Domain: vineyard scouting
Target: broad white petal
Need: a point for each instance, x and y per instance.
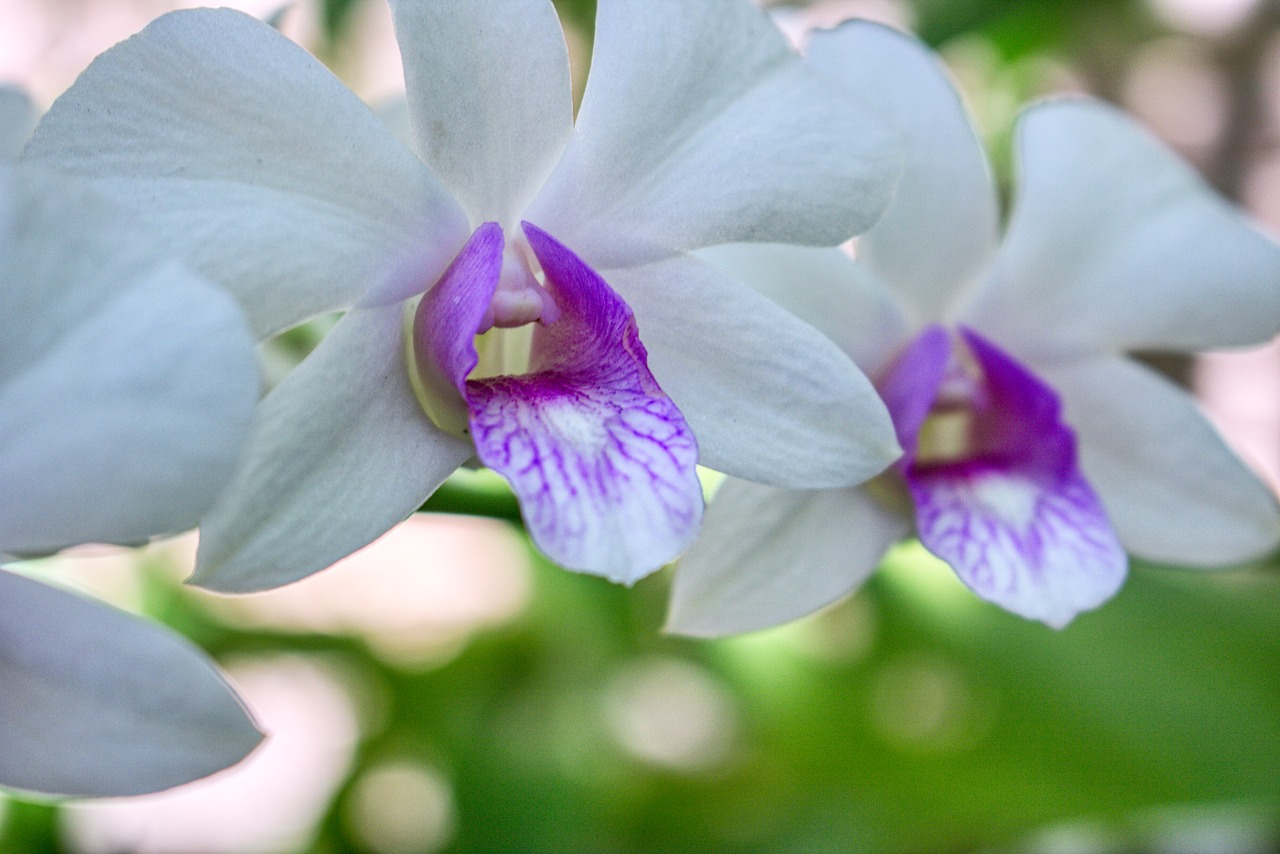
(1115, 243)
(941, 228)
(768, 555)
(700, 126)
(246, 158)
(1172, 488)
(99, 703)
(823, 287)
(769, 397)
(126, 386)
(488, 87)
(17, 119)
(339, 453)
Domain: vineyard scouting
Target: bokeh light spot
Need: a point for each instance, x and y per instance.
(401, 808)
(672, 714)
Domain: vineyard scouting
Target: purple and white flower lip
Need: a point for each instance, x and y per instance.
(280, 184)
(1037, 454)
(991, 470)
(603, 462)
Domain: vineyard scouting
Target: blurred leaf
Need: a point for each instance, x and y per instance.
(580, 14)
(334, 18)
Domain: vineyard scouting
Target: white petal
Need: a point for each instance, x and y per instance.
(823, 287)
(340, 452)
(1175, 493)
(17, 119)
(1115, 243)
(700, 126)
(941, 227)
(488, 87)
(126, 386)
(769, 397)
(768, 555)
(245, 157)
(99, 703)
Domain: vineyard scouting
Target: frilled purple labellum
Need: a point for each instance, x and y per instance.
(601, 459)
(991, 469)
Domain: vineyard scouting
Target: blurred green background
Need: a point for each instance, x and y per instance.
(555, 716)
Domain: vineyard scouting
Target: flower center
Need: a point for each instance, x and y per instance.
(959, 401)
(948, 433)
(520, 300)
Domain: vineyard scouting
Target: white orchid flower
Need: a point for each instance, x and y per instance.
(1036, 452)
(127, 388)
(605, 349)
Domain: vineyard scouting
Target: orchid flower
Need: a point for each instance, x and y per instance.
(603, 348)
(127, 387)
(1037, 453)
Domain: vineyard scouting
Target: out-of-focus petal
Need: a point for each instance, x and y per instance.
(98, 703)
(769, 397)
(488, 87)
(17, 120)
(941, 228)
(603, 463)
(340, 452)
(824, 288)
(769, 555)
(1172, 488)
(126, 386)
(700, 126)
(1115, 243)
(246, 158)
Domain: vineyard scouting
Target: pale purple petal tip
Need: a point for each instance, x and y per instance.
(602, 461)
